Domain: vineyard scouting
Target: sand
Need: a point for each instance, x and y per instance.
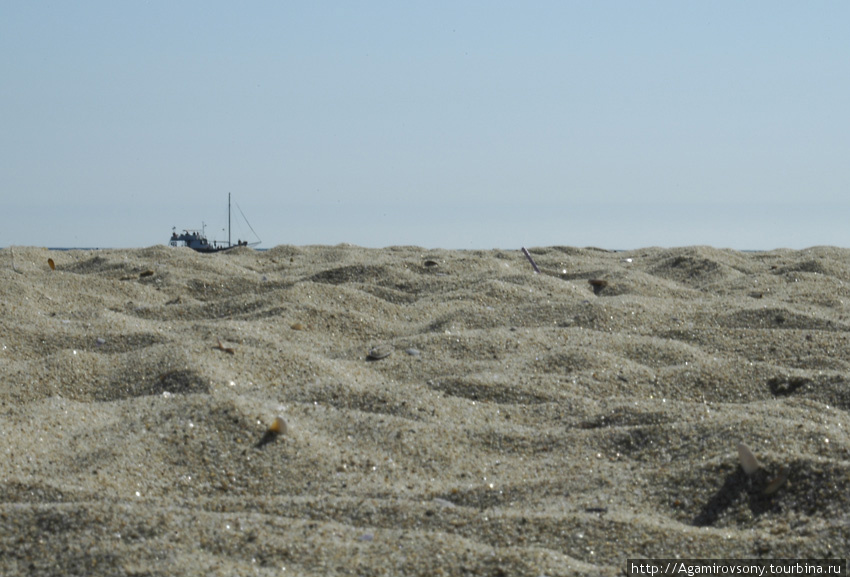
(523, 424)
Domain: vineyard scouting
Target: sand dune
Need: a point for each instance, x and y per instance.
(523, 424)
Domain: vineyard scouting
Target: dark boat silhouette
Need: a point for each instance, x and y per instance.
(197, 240)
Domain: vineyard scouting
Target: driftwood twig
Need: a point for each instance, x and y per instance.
(227, 350)
(531, 260)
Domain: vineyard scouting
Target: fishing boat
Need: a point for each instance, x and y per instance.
(197, 239)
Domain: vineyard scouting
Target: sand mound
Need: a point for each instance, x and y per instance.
(522, 424)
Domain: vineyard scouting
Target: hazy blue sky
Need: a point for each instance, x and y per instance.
(443, 124)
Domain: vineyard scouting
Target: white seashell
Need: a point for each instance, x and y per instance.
(278, 427)
(748, 461)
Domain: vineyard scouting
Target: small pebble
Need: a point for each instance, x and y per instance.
(412, 352)
(598, 284)
(380, 352)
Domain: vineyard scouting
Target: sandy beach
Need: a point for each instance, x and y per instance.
(442, 412)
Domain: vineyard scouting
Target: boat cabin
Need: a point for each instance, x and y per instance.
(197, 241)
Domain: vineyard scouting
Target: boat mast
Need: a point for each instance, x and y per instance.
(228, 219)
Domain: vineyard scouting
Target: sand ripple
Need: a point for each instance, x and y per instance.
(524, 424)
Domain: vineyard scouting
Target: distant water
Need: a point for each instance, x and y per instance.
(614, 226)
(74, 248)
(66, 248)
(467, 226)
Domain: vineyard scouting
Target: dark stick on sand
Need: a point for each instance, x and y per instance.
(531, 260)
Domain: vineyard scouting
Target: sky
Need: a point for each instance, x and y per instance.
(461, 124)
